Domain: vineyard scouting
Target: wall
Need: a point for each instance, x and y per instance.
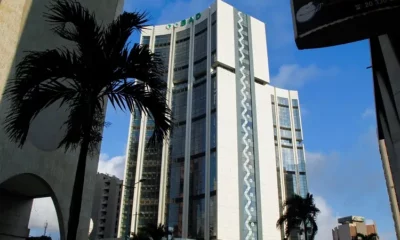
(22, 24)
(15, 212)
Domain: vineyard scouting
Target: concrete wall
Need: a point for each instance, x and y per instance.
(227, 164)
(23, 28)
(15, 212)
(385, 55)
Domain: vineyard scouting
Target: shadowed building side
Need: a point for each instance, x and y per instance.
(23, 28)
(385, 55)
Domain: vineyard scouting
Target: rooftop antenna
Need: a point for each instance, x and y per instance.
(45, 228)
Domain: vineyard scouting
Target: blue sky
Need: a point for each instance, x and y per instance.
(344, 168)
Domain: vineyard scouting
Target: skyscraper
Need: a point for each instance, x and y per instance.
(215, 177)
(289, 147)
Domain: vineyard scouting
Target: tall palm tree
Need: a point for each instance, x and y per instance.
(101, 66)
(299, 212)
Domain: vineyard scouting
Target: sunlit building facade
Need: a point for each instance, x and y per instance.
(289, 147)
(216, 175)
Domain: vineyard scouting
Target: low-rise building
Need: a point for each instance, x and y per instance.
(351, 226)
(106, 207)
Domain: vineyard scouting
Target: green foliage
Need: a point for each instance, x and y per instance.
(151, 231)
(299, 212)
(39, 238)
(360, 236)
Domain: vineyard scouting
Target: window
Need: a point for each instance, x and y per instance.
(286, 133)
(288, 159)
(284, 116)
(145, 40)
(302, 163)
(283, 101)
(296, 116)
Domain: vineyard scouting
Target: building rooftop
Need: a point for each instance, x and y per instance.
(351, 219)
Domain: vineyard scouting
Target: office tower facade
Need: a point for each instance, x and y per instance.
(352, 225)
(289, 147)
(215, 177)
(385, 56)
(106, 206)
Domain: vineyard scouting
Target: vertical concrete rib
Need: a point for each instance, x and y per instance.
(165, 153)
(208, 131)
(186, 182)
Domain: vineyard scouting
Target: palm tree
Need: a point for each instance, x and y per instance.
(299, 212)
(371, 236)
(101, 66)
(151, 231)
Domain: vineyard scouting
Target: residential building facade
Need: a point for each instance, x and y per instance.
(216, 175)
(106, 207)
(351, 226)
(289, 147)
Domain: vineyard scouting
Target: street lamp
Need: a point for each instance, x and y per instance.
(133, 187)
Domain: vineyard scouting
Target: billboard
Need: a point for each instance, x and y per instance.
(323, 23)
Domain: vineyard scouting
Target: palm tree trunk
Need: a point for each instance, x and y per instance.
(77, 191)
(305, 230)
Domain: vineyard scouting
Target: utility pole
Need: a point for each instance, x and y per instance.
(45, 229)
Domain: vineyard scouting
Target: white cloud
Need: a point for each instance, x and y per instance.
(326, 220)
(43, 211)
(317, 162)
(113, 166)
(295, 76)
(369, 112)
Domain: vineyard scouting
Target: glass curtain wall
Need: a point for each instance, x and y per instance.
(151, 172)
(177, 140)
(130, 174)
(198, 134)
(213, 136)
(129, 184)
(291, 147)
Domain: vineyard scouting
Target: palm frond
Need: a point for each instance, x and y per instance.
(41, 80)
(85, 31)
(153, 103)
(118, 32)
(314, 228)
(146, 67)
(84, 115)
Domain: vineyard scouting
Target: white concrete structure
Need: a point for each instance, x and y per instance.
(39, 169)
(216, 177)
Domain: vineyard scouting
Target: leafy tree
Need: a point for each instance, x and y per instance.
(101, 66)
(151, 231)
(372, 236)
(299, 212)
(39, 238)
